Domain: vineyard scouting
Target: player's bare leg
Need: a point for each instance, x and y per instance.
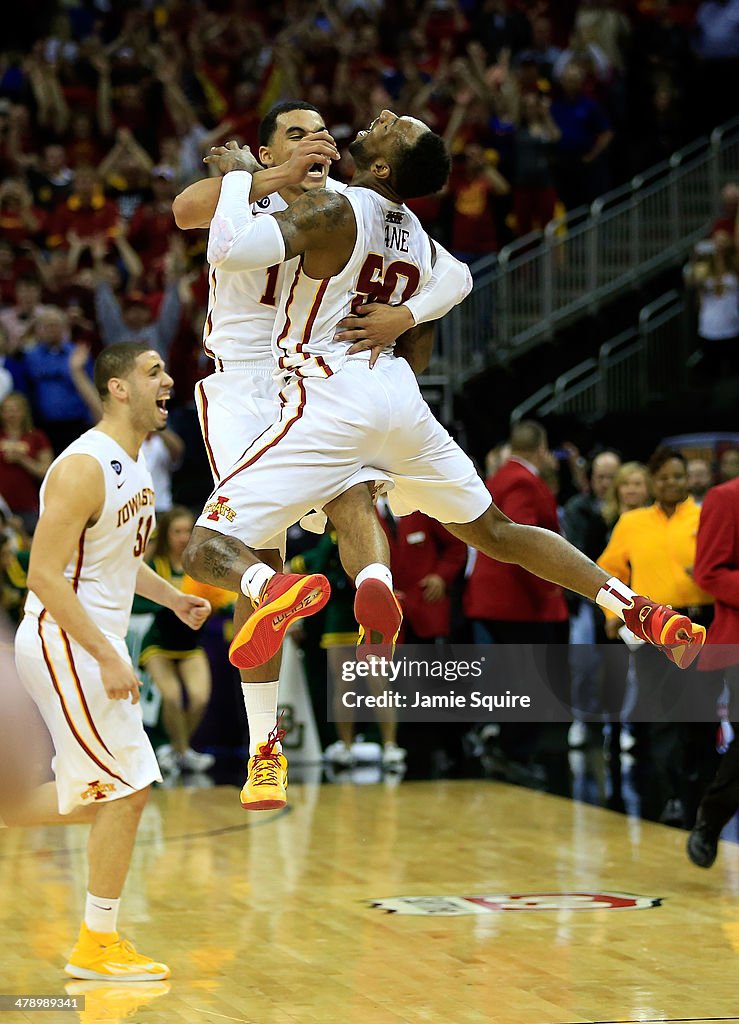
(266, 781)
(552, 558)
(111, 842)
(278, 599)
(100, 953)
(365, 555)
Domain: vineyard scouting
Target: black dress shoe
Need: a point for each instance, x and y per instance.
(702, 845)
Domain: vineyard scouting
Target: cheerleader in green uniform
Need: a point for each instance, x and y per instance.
(171, 655)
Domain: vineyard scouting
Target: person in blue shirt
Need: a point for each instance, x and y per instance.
(581, 167)
(59, 375)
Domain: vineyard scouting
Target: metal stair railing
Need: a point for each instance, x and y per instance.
(547, 278)
(639, 365)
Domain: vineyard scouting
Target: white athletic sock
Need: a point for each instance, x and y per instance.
(260, 701)
(101, 914)
(614, 596)
(375, 571)
(254, 579)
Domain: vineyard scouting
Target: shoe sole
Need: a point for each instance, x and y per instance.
(259, 639)
(376, 609)
(83, 974)
(682, 653)
(698, 859)
(264, 805)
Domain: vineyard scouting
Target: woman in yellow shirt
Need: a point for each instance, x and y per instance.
(652, 550)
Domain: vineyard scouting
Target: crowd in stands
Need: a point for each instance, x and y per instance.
(106, 111)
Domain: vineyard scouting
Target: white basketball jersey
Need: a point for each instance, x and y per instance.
(109, 554)
(391, 261)
(242, 306)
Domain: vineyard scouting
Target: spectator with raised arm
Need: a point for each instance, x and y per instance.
(132, 319)
(715, 277)
(581, 168)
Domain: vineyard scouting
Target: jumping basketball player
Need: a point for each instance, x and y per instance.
(239, 400)
(337, 415)
(97, 514)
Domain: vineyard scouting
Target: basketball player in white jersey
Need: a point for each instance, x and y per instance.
(240, 399)
(338, 415)
(87, 561)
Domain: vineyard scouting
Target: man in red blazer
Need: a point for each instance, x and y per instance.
(426, 560)
(717, 571)
(506, 603)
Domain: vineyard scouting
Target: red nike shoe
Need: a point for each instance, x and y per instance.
(378, 613)
(284, 599)
(679, 638)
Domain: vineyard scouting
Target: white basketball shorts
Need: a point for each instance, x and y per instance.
(101, 750)
(234, 407)
(328, 432)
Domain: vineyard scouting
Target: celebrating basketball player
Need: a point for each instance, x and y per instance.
(337, 416)
(239, 400)
(97, 514)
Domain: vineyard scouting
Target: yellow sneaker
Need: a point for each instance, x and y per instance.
(112, 1001)
(265, 788)
(105, 956)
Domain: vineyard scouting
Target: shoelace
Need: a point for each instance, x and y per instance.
(267, 761)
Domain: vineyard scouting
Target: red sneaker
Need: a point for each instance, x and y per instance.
(284, 599)
(678, 637)
(378, 613)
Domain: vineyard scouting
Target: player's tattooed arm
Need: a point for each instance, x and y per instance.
(319, 220)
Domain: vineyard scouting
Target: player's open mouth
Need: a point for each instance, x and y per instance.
(162, 405)
(316, 171)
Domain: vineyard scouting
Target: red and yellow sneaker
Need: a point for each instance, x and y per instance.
(105, 956)
(265, 788)
(679, 638)
(284, 599)
(379, 615)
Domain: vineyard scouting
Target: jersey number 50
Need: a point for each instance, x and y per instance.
(376, 284)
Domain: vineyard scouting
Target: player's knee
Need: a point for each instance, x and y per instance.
(496, 528)
(192, 554)
(198, 704)
(135, 803)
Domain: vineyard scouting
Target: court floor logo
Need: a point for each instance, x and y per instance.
(459, 906)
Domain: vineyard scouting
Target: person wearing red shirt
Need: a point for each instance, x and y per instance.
(716, 569)
(506, 603)
(86, 212)
(425, 560)
(474, 186)
(25, 455)
(152, 225)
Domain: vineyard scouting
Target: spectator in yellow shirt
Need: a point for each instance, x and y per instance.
(652, 550)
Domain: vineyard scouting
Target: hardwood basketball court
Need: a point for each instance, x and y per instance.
(266, 917)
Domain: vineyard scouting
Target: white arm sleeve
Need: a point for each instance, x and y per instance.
(237, 239)
(450, 282)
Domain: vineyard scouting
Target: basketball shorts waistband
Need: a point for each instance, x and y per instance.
(253, 369)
